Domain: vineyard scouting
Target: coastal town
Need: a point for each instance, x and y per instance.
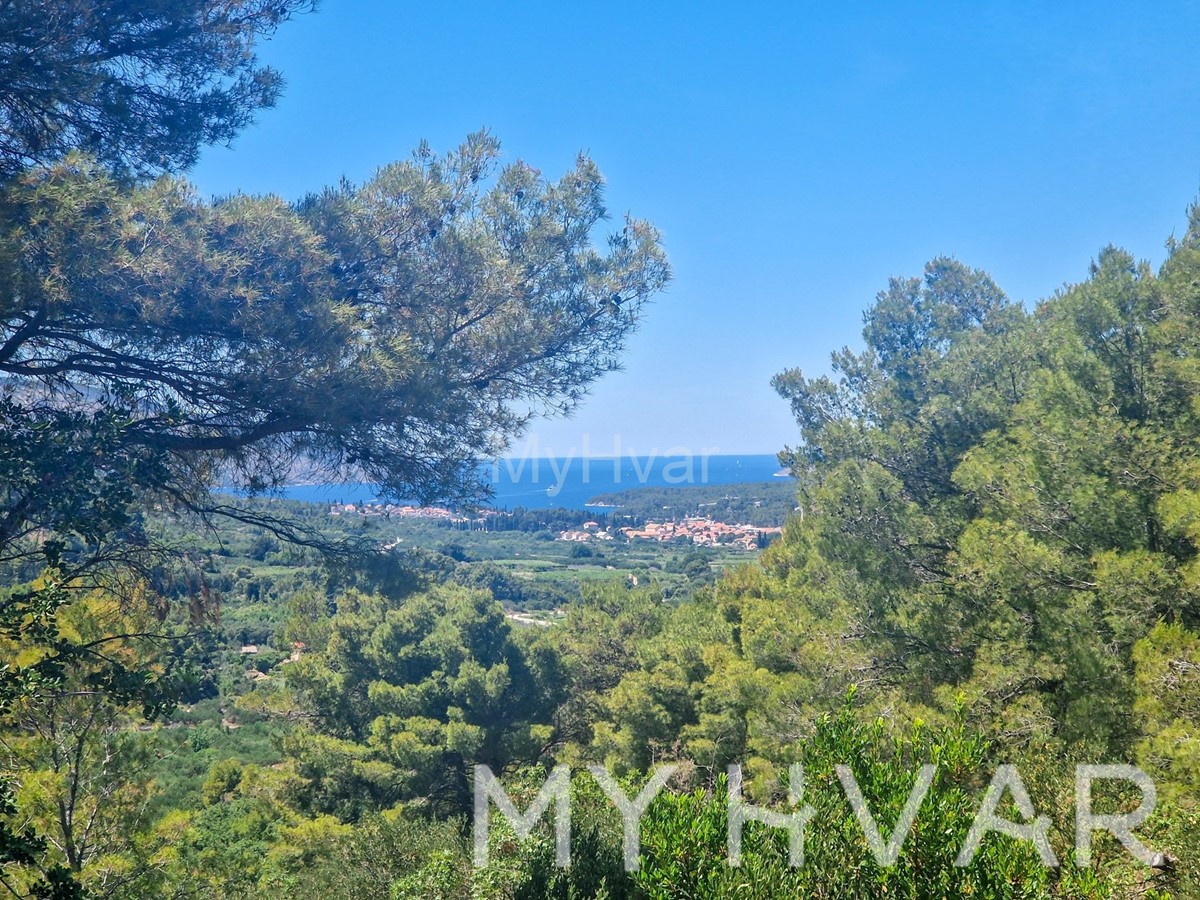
(703, 531)
(699, 530)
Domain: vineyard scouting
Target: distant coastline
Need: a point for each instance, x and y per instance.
(573, 482)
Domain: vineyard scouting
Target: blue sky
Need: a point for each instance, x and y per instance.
(794, 157)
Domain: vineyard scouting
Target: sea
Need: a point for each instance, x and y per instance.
(570, 483)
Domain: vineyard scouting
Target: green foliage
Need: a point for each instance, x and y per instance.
(684, 835)
(222, 849)
(327, 305)
(684, 838)
(1167, 704)
(998, 517)
(393, 857)
(407, 695)
(999, 530)
(1000, 499)
(153, 345)
(82, 791)
(76, 75)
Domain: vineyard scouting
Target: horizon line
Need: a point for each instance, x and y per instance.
(653, 453)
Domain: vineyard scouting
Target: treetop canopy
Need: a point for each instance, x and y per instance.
(394, 331)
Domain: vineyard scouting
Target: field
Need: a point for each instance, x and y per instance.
(519, 558)
(259, 586)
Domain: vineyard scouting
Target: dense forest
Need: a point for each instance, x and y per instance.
(990, 569)
(994, 565)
